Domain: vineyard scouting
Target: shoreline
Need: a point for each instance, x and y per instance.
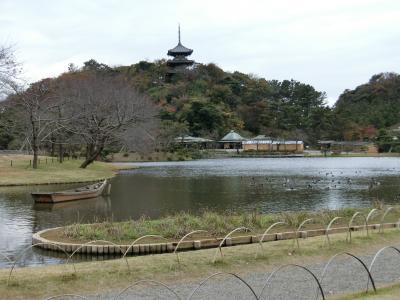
(16, 171)
(105, 170)
(262, 155)
(209, 230)
(102, 247)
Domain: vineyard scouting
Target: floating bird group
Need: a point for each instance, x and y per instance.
(326, 181)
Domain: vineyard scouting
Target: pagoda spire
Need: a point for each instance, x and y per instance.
(179, 33)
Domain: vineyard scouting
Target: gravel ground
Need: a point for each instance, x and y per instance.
(343, 275)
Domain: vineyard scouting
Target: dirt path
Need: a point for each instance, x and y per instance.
(344, 275)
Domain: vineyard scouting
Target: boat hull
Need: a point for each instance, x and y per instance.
(68, 195)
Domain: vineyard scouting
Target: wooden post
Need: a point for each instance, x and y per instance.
(11, 163)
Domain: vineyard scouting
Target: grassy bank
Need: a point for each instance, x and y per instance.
(49, 171)
(155, 156)
(104, 276)
(390, 292)
(355, 154)
(176, 226)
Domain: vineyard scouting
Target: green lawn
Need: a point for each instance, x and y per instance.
(21, 173)
(391, 292)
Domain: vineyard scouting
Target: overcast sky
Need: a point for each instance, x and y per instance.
(332, 45)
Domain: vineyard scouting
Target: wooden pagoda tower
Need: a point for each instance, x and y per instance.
(180, 63)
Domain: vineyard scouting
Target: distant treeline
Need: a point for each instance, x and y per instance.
(208, 102)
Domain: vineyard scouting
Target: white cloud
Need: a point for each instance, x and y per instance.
(332, 45)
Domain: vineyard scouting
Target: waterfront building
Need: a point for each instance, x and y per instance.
(348, 146)
(194, 142)
(262, 143)
(232, 140)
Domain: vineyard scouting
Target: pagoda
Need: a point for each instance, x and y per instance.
(179, 63)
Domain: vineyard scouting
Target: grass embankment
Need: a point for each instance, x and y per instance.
(21, 173)
(176, 226)
(155, 156)
(355, 154)
(103, 276)
(390, 292)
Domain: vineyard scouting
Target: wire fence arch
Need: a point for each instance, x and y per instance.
(387, 211)
(371, 213)
(377, 254)
(182, 239)
(352, 256)
(159, 283)
(328, 228)
(225, 238)
(22, 253)
(218, 274)
(351, 224)
(266, 232)
(137, 240)
(298, 230)
(295, 266)
(319, 281)
(6, 257)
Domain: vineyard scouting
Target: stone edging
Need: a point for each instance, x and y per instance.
(155, 248)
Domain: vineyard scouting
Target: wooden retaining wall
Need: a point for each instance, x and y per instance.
(166, 247)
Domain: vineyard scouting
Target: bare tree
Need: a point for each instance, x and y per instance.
(9, 70)
(37, 107)
(106, 109)
(171, 130)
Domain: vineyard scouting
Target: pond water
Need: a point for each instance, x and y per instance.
(160, 188)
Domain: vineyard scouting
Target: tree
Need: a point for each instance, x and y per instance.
(376, 103)
(9, 70)
(170, 130)
(203, 116)
(36, 109)
(103, 109)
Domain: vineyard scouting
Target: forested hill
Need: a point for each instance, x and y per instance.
(209, 102)
(376, 103)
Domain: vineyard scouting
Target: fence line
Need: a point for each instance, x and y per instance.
(318, 281)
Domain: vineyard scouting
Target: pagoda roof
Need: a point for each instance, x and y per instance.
(179, 49)
(180, 61)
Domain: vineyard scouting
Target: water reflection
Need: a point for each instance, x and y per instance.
(267, 185)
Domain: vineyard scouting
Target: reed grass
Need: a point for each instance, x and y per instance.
(216, 224)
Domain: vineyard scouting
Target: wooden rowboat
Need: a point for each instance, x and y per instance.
(86, 192)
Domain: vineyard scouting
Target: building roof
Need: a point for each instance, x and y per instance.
(179, 49)
(191, 139)
(273, 142)
(345, 143)
(262, 137)
(232, 136)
